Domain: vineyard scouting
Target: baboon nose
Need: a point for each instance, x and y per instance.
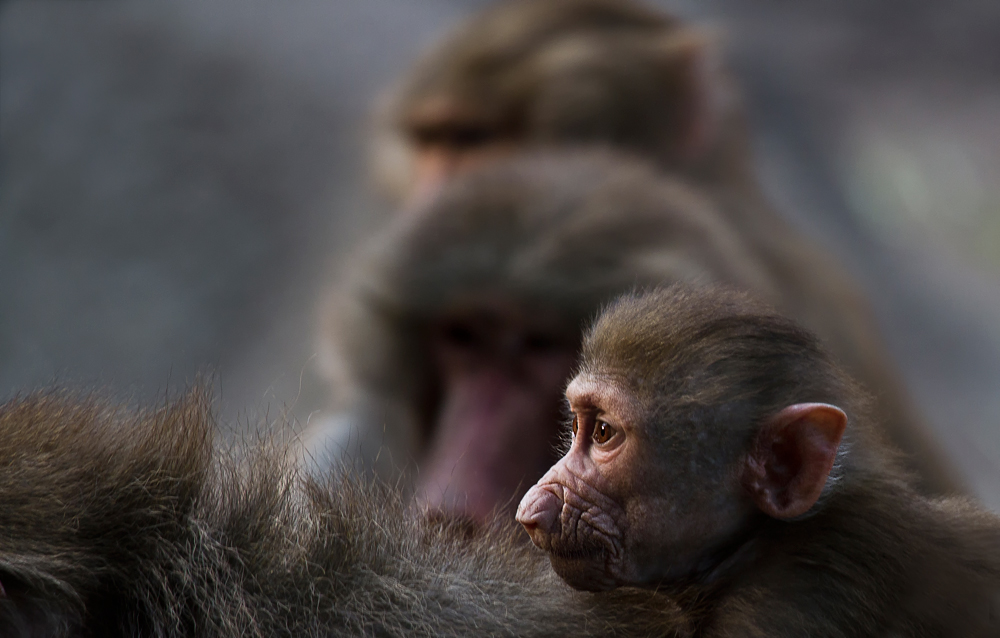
(538, 511)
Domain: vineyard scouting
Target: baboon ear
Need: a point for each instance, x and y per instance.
(701, 91)
(792, 457)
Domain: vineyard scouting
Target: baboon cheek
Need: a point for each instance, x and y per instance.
(586, 574)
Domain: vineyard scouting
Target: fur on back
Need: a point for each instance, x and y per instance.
(130, 523)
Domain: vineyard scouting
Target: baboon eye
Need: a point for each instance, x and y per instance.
(456, 135)
(574, 426)
(468, 136)
(603, 432)
(462, 335)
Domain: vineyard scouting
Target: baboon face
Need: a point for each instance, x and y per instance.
(585, 72)
(501, 374)
(672, 457)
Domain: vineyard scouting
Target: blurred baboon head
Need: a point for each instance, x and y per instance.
(460, 324)
(526, 73)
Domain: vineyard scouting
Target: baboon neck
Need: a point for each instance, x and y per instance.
(723, 565)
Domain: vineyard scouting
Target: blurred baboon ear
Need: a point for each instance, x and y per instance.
(700, 90)
(791, 459)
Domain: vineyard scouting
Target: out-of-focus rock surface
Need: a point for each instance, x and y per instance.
(179, 178)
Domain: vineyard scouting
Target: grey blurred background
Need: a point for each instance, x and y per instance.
(179, 179)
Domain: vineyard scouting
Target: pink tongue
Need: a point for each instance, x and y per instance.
(493, 441)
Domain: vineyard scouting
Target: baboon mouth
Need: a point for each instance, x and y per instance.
(578, 553)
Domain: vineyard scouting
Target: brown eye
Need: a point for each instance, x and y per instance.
(603, 433)
(574, 426)
(468, 136)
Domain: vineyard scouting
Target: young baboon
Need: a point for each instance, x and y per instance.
(117, 523)
(526, 74)
(719, 454)
(458, 326)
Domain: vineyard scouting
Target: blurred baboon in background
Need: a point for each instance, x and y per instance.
(455, 332)
(525, 74)
(576, 72)
(116, 523)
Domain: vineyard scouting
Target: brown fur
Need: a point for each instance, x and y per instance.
(709, 369)
(564, 71)
(123, 523)
(557, 235)
(617, 73)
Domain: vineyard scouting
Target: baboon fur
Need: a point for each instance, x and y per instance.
(558, 234)
(522, 74)
(117, 522)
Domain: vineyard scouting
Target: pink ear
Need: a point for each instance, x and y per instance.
(788, 466)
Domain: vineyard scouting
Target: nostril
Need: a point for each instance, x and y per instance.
(539, 510)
